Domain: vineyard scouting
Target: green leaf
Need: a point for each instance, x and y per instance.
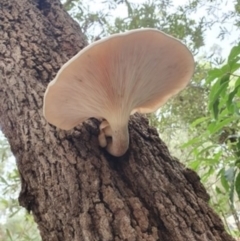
(213, 74)
(237, 185)
(14, 213)
(130, 10)
(205, 151)
(237, 83)
(9, 234)
(210, 161)
(219, 87)
(207, 174)
(215, 127)
(218, 190)
(224, 181)
(199, 121)
(237, 163)
(215, 109)
(191, 142)
(231, 193)
(194, 164)
(3, 180)
(229, 174)
(235, 51)
(225, 78)
(234, 65)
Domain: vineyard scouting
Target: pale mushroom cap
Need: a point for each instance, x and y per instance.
(134, 71)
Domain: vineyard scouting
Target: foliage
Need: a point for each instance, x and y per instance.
(216, 152)
(159, 14)
(15, 223)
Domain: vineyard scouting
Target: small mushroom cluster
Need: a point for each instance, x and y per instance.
(114, 77)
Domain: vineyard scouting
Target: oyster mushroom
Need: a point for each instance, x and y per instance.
(114, 77)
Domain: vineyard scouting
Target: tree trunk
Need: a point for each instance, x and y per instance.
(74, 189)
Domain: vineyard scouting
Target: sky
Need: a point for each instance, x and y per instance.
(211, 35)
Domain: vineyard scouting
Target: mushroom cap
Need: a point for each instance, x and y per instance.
(116, 76)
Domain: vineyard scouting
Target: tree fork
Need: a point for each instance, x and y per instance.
(74, 189)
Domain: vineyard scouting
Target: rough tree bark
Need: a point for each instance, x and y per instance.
(74, 189)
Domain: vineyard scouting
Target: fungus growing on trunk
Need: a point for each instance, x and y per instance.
(137, 71)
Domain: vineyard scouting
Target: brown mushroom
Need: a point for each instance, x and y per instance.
(137, 71)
